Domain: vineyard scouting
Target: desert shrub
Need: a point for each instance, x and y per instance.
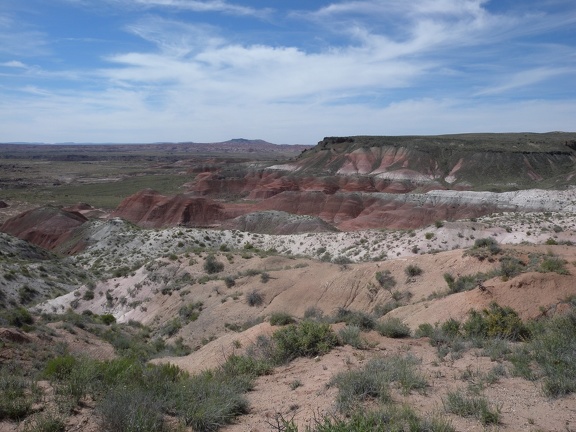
(413, 270)
(385, 279)
(389, 418)
(208, 401)
(374, 379)
(451, 328)
(471, 406)
(229, 281)
(553, 348)
(171, 327)
(237, 365)
(342, 261)
(211, 265)
(17, 317)
(357, 318)
(264, 277)
(60, 368)
(553, 264)
(306, 339)
(190, 312)
(429, 235)
(463, 283)
(281, 319)
(131, 410)
(424, 330)
(351, 335)
(17, 395)
(484, 248)
(254, 298)
(393, 328)
(550, 241)
(46, 421)
(88, 295)
(382, 309)
(313, 313)
(495, 322)
(107, 319)
(439, 224)
(510, 267)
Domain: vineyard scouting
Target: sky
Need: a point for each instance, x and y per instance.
(286, 71)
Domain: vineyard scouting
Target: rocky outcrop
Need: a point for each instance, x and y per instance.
(352, 211)
(44, 226)
(150, 209)
(278, 222)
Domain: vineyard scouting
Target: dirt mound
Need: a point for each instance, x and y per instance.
(150, 209)
(278, 223)
(44, 226)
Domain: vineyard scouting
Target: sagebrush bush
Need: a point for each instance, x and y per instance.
(351, 335)
(495, 322)
(254, 298)
(553, 264)
(17, 395)
(281, 319)
(553, 348)
(471, 406)
(393, 328)
(211, 265)
(413, 270)
(385, 279)
(374, 379)
(306, 339)
(357, 318)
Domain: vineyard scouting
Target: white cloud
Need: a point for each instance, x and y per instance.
(202, 6)
(14, 64)
(526, 78)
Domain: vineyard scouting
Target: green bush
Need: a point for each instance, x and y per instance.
(495, 322)
(553, 264)
(281, 319)
(107, 319)
(385, 279)
(463, 283)
(254, 298)
(374, 379)
(510, 267)
(553, 348)
(357, 318)
(229, 281)
(211, 265)
(131, 410)
(413, 270)
(18, 317)
(208, 401)
(393, 328)
(17, 395)
(471, 406)
(350, 335)
(306, 339)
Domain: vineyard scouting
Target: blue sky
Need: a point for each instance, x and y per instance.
(284, 71)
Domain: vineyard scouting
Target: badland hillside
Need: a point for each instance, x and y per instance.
(364, 283)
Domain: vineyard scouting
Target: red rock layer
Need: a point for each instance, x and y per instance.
(150, 209)
(46, 227)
